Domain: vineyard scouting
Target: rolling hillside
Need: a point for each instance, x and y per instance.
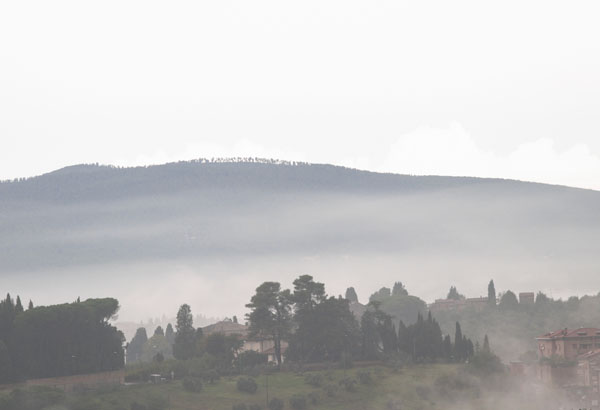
(259, 220)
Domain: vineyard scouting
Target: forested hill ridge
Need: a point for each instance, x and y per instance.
(417, 227)
(100, 182)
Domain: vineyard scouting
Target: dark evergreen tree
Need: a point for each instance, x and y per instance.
(30, 305)
(6, 369)
(270, 314)
(447, 348)
(351, 295)
(170, 334)
(541, 298)
(61, 340)
(404, 339)
(19, 306)
(159, 331)
(134, 348)
(486, 344)
(382, 293)
(459, 348)
(184, 346)
(331, 333)
(370, 338)
(399, 289)
(508, 301)
(307, 294)
(453, 294)
(491, 293)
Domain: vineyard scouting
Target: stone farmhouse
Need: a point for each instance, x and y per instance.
(263, 346)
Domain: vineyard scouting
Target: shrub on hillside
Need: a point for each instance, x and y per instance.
(330, 389)
(35, 398)
(5, 403)
(349, 384)
(314, 379)
(192, 384)
(364, 377)
(313, 397)
(247, 385)
(211, 376)
(454, 386)
(298, 401)
(276, 404)
(485, 363)
(250, 358)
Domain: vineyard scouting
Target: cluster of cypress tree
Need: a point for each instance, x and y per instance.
(59, 340)
(422, 340)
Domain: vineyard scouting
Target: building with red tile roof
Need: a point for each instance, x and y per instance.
(568, 343)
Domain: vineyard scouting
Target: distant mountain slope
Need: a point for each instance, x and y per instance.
(89, 214)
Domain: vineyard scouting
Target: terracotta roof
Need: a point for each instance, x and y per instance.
(580, 332)
(226, 327)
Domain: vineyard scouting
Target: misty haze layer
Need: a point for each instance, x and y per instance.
(209, 233)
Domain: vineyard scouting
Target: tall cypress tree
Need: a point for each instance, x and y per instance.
(486, 344)
(18, 305)
(459, 348)
(447, 347)
(491, 293)
(170, 334)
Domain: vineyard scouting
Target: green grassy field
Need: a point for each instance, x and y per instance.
(408, 387)
(418, 387)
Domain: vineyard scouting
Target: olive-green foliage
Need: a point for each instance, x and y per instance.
(34, 398)
(452, 387)
(250, 359)
(276, 404)
(485, 363)
(157, 344)
(78, 338)
(134, 349)
(314, 379)
(349, 384)
(192, 384)
(313, 397)
(400, 305)
(184, 346)
(247, 385)
(364, 377)
(331, 389)
(298, 401)
(512, 331)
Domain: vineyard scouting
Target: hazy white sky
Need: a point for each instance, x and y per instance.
(508, 89)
